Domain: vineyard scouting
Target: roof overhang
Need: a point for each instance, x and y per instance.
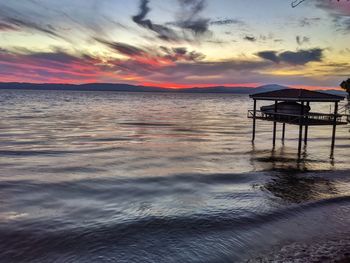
(300, 95)
(297, 99)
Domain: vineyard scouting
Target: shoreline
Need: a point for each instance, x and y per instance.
(333, 249)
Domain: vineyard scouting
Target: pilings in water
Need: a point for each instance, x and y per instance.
(334, 127)
(300, 128)
(306, 125)
(275, 125)
(303, 124)
(254, 121)
(283, 132)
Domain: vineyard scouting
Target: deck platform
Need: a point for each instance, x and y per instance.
(310, 119)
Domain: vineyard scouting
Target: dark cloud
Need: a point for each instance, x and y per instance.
(192, 8)
(216, 41)
(222, 22)
(122, 48)
(341, 23)
(302, 40)
(300, 57)
(267, 37)
(230, 71)
(189, 17)
(182, 54)
(55, 56)
(162, 31)
(7, 27)
(250, 38)
(153, 55)
(198, 26)
(309, 21)
(48, 29)
(269, 55)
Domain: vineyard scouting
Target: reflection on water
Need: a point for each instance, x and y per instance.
(142, 177)
(284, 158)
(292, 186)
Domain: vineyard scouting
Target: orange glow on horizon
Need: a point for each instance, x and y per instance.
(198, 85)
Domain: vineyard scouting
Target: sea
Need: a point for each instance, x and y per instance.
(165, 177)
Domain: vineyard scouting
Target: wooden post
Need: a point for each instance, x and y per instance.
(300, 128)
(306, 126)
(254, 120)
(283, 131)
(274, 125)
(334, 125)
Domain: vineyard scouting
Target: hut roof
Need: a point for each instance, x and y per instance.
(297, 95)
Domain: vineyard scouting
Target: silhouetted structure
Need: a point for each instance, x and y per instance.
(292, 106)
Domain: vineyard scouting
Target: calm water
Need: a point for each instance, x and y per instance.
(144, 177)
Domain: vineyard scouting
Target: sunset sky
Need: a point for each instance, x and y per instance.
(175, 43)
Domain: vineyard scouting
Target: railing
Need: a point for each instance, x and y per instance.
(309, 117)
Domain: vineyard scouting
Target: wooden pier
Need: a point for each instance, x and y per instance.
(301, 100)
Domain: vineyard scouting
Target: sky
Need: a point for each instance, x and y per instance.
(176, 43)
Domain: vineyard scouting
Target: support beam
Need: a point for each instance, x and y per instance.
(306, 126)
(283, 132)
(334, 125)
(274, 125)
(300, 129)
(254, 121)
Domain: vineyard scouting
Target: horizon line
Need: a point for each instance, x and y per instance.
(168, 86)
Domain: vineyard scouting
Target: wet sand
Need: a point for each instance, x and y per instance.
(333, 250)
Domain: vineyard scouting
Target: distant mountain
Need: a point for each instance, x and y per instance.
(82, 87)
(218, 89)
(122, 87)
(134, 88)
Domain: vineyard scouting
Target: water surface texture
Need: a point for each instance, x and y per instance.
(157, 177)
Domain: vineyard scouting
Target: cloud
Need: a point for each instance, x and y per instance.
(250, 38)
(341, 8)
(144, 60)
(181, 67)
(226, 21)
(339, 11)
(198, 26)
(189, 17)
(302, 40)
(162, 31)
(269, 55)
(172, 65)
(309, 21)
(49, 30)
(7, 27)
(300, 57)
(56, 66)
(122, 48)
(342, 23)
(11, 19)
(182, 54)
